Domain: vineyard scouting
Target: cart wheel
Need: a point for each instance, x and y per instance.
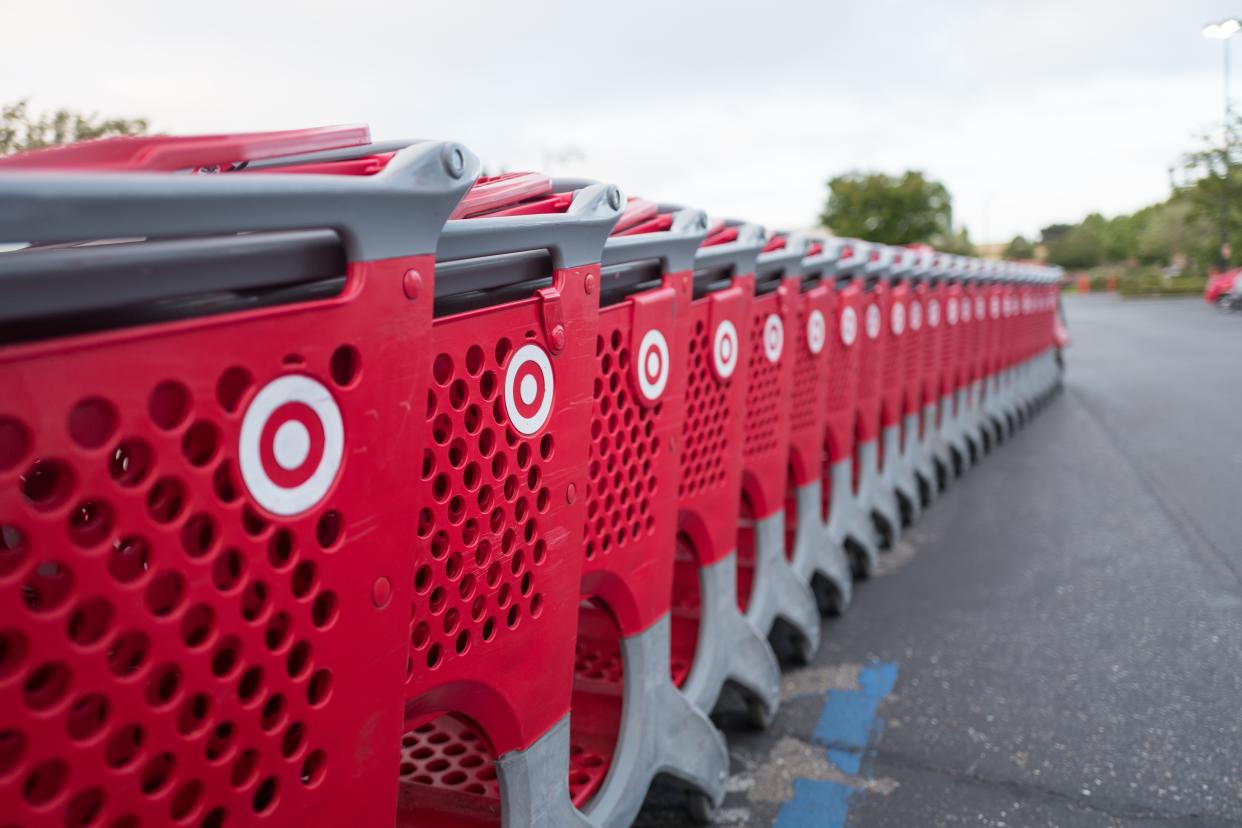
(702, 809)
(802, 652)
(760, 714)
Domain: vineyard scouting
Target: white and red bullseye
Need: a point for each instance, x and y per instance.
(950, 312)
(529, 388)
(291, 444)
(965, 310)
(996, 307)
(724, 349)
(652, 364)
(933, 313)
(980, 308)
(849, 326)
(816, 331)
(873, 322)
(916, 315)
(773, 338)
(897, 319)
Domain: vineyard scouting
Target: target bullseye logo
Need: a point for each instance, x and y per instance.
(916, 315)
(897, 319)
(849, 326)
(980, 308)
(529, 388)
(995, 307)
(773, 337)
(873, 321)
(724, 349)
(950, 312)
(652, 364)
(933, 313)
(291, 444)
(965, 310)
(816, 331)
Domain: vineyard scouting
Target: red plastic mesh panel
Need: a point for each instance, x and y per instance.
(912, 353)
(684, 631)
(597, 702)
(761, 433)
(450, 754)
(162, 644)
(447, 777)
(481, 523)
(624, 451)
(843, 361)
(871, 351)
(932, 337)
(705, 447)
(807, 395)
(745, 553)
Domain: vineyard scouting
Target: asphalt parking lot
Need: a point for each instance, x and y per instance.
(1058, 640)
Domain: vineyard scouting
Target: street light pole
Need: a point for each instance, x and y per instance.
(1223, 31)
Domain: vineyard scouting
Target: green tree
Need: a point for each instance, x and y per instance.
(1212, 174)
(1081, 247)
(888, 209)
(958, 243)
(21, 130)
(1053, 232)
(1019, 248)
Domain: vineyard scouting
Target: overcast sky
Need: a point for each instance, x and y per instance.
(1030, 112)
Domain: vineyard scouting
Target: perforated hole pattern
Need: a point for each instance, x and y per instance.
(479, 541)
(624, 450)
(158, 649)
(447, 753)
(763, 391)
(870, 351)
(804, 412)
(707, 415)
(843, 364)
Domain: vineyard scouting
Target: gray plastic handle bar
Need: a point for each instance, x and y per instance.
(340, 154)
(396, 212)
(784, 262)
(739, 255)
(857, 261)
(575, 237)
(674, 248)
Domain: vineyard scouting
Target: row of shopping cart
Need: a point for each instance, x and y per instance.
(342, 486)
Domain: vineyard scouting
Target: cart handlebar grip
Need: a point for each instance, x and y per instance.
(397, 212)
(163, 153)
(333, 154)
(856, 262)
(740, 255)
(674, 247)
(575, 237)
(787, 261)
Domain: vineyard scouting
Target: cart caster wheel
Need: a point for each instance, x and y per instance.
(759, 714)
(802, 652)
(702, 809)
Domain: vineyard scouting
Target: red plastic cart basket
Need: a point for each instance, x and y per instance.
(712, 642)
(204, 616)
(500, 497)
(848, 522)
(629, 721)
(768, 589)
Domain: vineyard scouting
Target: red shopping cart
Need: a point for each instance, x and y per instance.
(712, 642)
(768, 589)
(204, 480)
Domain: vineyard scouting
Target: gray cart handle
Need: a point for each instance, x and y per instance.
(575, 237)
(397, 212)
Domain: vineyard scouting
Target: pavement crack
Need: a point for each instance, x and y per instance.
(1027, 790)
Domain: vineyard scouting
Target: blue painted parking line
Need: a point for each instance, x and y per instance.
(847, 724)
